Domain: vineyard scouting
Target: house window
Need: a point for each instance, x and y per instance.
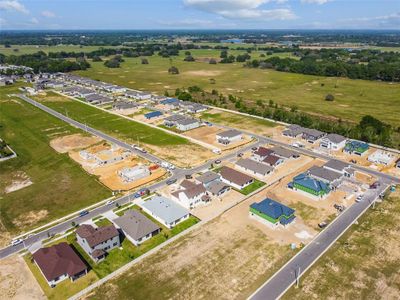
(115, 244)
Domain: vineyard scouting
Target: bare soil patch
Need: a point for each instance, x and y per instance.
(30, 218)
(19, 181)
(67, 143)
(203, 73)
(16, 280)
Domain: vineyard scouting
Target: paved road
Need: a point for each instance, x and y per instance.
(282, 280)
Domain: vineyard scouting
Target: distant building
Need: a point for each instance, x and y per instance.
(356, 147)
(130, 174)
(235, 178)
(272, 213)
(59, 262)
(187, 124)
(333, 141)
(382, 157)
(228, 136)
(153, 114)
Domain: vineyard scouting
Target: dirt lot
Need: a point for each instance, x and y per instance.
(207, 135)
(16, 280)
(73, 142)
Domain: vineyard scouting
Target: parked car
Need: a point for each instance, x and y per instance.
(171, 181)
(83, 213)
(323, 224)
(144, 192)
(218, 161)
(375, 185)
(339, 207)
(188, 176)
(240, 154)
(359, 198)
(254, 148)
(109, 202)
(16, 242)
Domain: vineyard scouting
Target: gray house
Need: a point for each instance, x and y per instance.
(165, 211)
(136, 227)
(208, 177)
(97, 241)
(253, 167)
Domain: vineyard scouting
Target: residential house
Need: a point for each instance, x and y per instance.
(272, 160)
(190, 194)
(312, 135)
(284, 153)
(136, 227)
(253, 167)
(272, 213)
(333, 142)
(172, 120)
(208, 177)
(165, 211)
(187, 124)
(382, 157)
(218, 188)
(293, 131)
(59, 262)
(356, 147)
(228, 136)
(261, 153)
(153, 114)
(122, 105)
(97, 241)
(130, 174)
(328, 176)
(310, 185)
(340, 167)
(235, 178)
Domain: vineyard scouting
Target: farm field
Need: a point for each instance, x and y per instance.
(40, 184)
(171, 147)
(363, 263)
(353, 98)
(29, 49)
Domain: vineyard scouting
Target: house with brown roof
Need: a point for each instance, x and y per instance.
(272, 160)
(235, 178)
(59, 262)
(97, 241)
(261, 153)
(190, 194)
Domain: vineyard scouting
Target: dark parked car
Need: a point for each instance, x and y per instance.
(188, 176)
(218, 161)
(171, 181)
(375, 185)
(83, 213)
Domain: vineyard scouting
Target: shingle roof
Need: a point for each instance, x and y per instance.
(234, 176)
(335, 138)
(272, 208)
(336, 165)
(186, 121)
(136, 225)
(271, 159)
(57, 260)
(96, 236)
(283, 152)
(216, 187)
(208, 177)
(190, 189)
(174, 118)
(165, 209)
(254, 166)
(262, 151)
(324, 173)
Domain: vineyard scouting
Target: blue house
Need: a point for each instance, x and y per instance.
(273, 212)
(153, 114)
(310, 185)
(356, 147)
(169, 101)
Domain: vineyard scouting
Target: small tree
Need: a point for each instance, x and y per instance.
(212, 61)
(145, 61)
(96, 58)
(187, 53)
(73, 224)
(189, 58)
(212, 81)
(173, 70)
(329, 97)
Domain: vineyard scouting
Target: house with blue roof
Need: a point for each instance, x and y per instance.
(169, 101)
(272, 213)
(311, 185)
(356, 147)
(153, 114)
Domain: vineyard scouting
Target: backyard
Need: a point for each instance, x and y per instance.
(40, 184)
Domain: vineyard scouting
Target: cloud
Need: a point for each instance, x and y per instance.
(315, 1)
(34, 21)
(13, 5)
(242, 9)
(3, 22)
(187, 23)
(385, 21)
(48, 14)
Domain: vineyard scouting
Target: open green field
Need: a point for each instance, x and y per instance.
(59, 185)
(120, 127)
(29, 49)
(353, 98)
(363, 264)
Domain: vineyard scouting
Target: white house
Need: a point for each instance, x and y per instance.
(235, 178)
(333, 141)
(134, 173)
(381, 157)
(228, 136)
(187, 124)
(191, 194)
(165, 211)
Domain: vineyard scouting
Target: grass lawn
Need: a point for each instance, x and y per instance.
(363, 263)
(103, 222)
(353, 98)
(122, 128)
(64, 289)
(60, 186)
(252, 187)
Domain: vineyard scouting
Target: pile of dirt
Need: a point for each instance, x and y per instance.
(16, 280)
(19, 181)
(67, 143)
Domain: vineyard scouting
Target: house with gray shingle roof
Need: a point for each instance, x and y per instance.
(218, 188)
(253, 167)
(136, 227)
(208, 178)
(165, 211)
(228, 136)
(333, 141)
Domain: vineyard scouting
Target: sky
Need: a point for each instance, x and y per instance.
(199, 14)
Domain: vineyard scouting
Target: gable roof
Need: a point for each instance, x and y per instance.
(283, 152)
(96, 236)
(335, 138)
(272, 208)
(208, 177)
(136, 225)
(186, 121)
(262, 151)
(190, 189)
(336, 165)
(324, 173)
(58, 260)
(234, 176)
(165, 209)
(254, 166)
(153, 114)
(216, 187)
(174, 118)
(271, 159)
